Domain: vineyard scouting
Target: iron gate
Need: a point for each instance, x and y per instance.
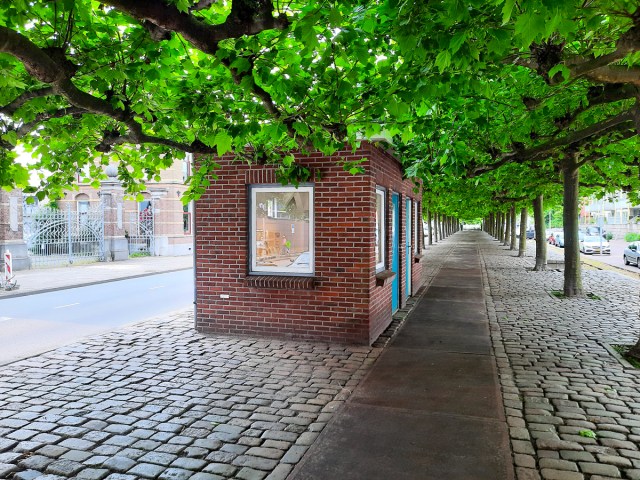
(140, 231)
(57, 237)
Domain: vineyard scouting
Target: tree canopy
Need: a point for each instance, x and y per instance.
(482, 98)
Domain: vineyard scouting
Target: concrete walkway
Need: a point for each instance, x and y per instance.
(50, 279)
(430, 408)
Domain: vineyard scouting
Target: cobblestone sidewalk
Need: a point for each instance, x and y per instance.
(573, 410)
(160, 401)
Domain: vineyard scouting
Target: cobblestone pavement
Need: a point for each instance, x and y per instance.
(159, 401)
(572, 408)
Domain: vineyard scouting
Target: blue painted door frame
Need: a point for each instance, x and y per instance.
(409, 256)
(395, 252)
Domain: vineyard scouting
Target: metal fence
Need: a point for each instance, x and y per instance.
(57, 237)
(140, 232)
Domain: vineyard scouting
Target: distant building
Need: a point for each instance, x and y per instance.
(160, 224)
(614, 212)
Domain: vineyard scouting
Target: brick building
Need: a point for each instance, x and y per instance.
(329, 260)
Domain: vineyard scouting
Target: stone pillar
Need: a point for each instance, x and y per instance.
(112, 195)
(11, 229)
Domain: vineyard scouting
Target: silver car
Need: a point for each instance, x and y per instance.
(631, 254)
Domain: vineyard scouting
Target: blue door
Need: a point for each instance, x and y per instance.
(409, 255)
(395, 252)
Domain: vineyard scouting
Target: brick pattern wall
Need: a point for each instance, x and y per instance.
(342, 302)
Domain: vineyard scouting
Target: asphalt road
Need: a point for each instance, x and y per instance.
(34, 324)
(615, 259)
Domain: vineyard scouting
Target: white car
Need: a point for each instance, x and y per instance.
(590, 244)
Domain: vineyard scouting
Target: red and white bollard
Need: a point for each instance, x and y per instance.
(8, 282)
(8, 267)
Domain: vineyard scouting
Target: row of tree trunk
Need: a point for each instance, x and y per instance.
(440, 226)
(503, 227)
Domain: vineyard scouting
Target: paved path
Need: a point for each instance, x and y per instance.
(158, 400)
(430, 408)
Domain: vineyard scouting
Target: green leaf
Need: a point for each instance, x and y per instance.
(456, 42)
(301, 128)
(443, 60)
(223, 142)
(335, 17)
(288, 160)
(506, 11)
(529, 26)
(562, 69)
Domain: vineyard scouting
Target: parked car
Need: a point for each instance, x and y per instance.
(531, 234)
(590, 244)
(558, 239)
(631, 254)
(593, 230)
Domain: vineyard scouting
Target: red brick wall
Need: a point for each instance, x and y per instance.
(387, 173)
(345, 305)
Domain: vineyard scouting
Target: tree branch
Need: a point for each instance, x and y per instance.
(11, 108)
(615, 74)
(628, 42)
(619, 122)
(246, 18)
(25, 128)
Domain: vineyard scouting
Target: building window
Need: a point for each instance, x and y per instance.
(380, 229)
(186, 219)
(281, 230)
(83, 208)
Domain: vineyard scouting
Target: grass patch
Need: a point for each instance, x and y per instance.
(139, 254)
(560, 294)
(622, 350)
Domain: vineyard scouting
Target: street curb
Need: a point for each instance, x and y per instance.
(155, 318)
(18, 293)
(612, 268)
(614, 353)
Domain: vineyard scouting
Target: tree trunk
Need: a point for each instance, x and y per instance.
(541, 242)
(436, 235)
(513, 228)
(429, 226)
(507, 229)
(441, 222)
(522, 247)
(572, 270)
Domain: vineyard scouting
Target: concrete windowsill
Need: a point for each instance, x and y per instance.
(384, 277)
(280, 282)
(417, 258)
